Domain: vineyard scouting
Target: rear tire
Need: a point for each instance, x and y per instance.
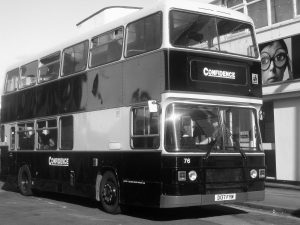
(110, 193)
(24, 181)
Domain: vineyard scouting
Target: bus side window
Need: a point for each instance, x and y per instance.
(66, 132)
(75, 58)
(28, 74)
(12, 80)
(2, 133)
(49, 67)
(106, 48)
(145, 128)
(12, 138)
(144, 35)
(47, 134)
(26, 136)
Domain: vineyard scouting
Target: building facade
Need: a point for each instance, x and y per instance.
(277, 24)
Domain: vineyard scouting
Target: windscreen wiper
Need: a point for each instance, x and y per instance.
(240, 151)
(213, 144)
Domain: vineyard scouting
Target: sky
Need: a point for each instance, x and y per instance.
(28, 27)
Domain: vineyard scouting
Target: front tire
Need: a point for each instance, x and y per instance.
(110, 193)
(24, 181)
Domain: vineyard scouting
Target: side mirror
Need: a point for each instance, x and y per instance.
(153, 107)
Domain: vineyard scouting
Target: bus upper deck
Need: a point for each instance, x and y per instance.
(161, 49)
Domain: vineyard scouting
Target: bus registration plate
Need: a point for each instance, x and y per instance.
(225, 197)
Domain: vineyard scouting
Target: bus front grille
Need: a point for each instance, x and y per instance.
(224, 175)
(224, 180)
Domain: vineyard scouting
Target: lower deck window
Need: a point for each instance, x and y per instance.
(47, 134)
(12, 138)
(145, 128)
(67, 131)
(26, 136)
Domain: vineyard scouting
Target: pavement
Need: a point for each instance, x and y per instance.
(279, 198)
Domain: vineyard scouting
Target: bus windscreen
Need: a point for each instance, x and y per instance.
(203, 128)
(196, 31)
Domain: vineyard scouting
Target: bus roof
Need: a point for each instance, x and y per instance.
(161, 5)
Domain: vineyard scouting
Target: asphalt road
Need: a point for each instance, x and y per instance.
(49, 208)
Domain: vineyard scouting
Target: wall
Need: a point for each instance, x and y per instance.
(287, 141)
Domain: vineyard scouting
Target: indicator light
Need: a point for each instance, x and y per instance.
(181, 176)
(261, 173)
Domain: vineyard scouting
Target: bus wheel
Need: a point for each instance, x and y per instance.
(24, 181)
(109, 193)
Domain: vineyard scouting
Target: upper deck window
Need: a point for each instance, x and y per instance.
(49, 67)
(75, 58)
(106, 48)
(190, 30)
(12, 79)
(144, 35)
(28, 74)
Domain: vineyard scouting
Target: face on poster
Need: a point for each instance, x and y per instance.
(276, 61)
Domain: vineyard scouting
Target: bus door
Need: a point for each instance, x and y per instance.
(141, 176)
(47, 162)
(11, 155)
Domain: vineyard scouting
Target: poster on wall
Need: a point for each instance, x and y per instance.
(276, 61)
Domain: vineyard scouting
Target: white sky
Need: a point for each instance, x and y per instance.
(28, 27)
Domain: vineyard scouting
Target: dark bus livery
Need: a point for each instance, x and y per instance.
(159, 108)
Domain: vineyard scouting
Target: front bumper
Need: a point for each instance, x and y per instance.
(167, 201)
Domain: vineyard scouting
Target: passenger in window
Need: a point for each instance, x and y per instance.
(26, 141)
(207, 131)
(52, 144)
(41, 141)
(219, 135)
(46, 141)
(275, 61)
(202, 127)
(198, 134)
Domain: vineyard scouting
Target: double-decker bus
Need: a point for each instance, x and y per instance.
(158, 108)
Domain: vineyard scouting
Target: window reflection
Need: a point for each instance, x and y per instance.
(144, 35)
(49, 67)
(28, 74)
(281, 10)
(258, 12)
(198, 128)
(75, 58)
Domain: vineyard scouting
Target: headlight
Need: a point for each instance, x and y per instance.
(253, 173)
(192, 175)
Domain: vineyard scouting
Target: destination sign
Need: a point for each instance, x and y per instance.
(218, 72)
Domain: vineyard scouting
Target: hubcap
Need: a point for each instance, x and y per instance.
(24, 182)
(109, 193)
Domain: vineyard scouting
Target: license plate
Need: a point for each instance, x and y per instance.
(225, 197)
